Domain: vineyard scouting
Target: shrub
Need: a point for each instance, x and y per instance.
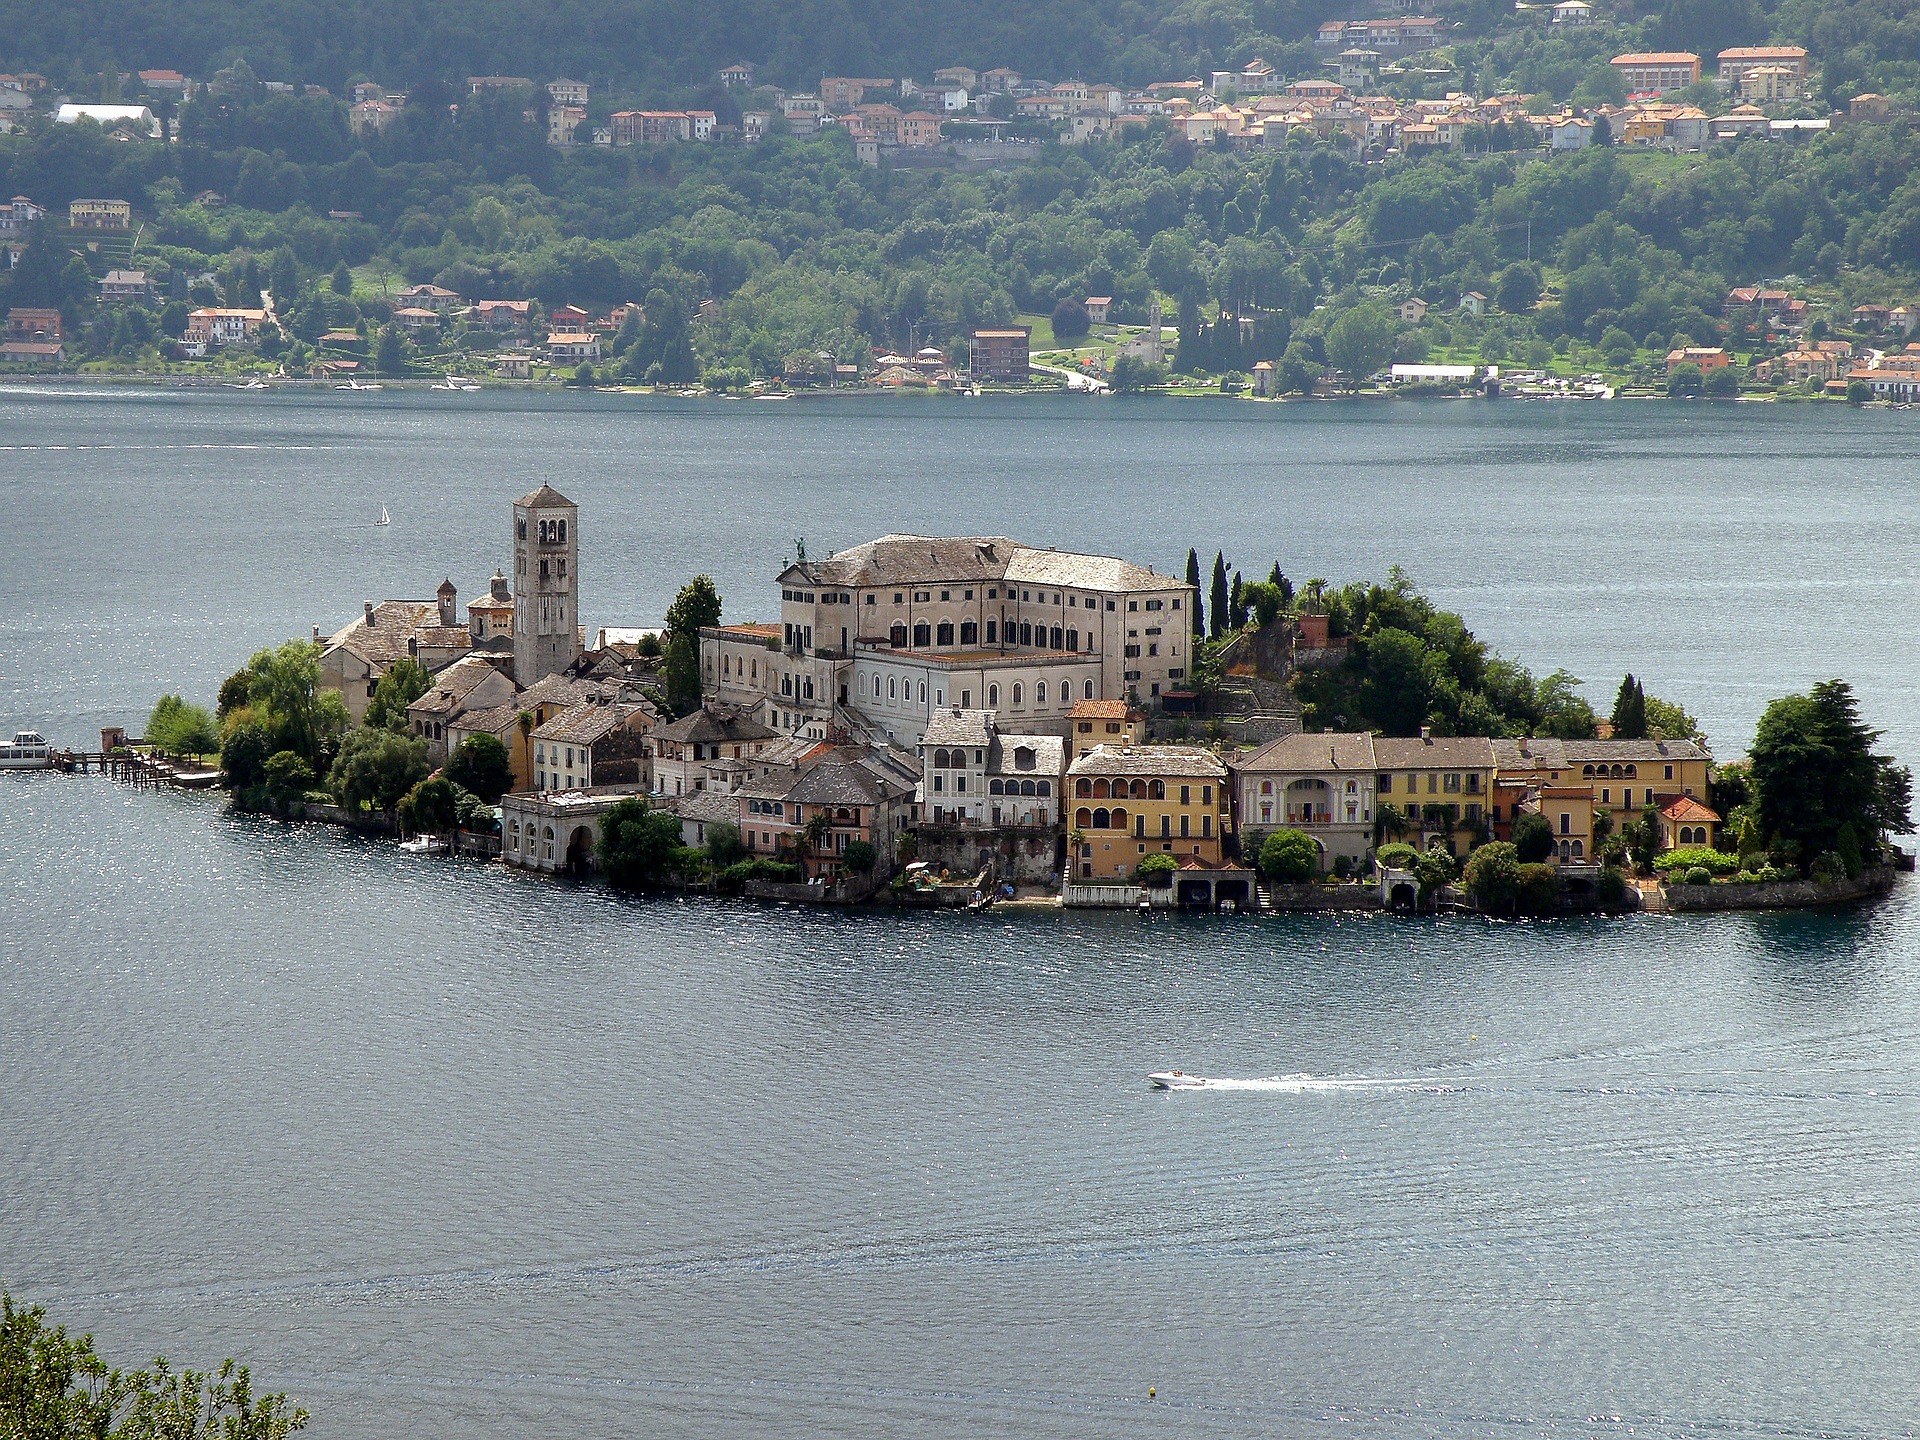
(1611, 888)
(1493, 877)
(1538, 889)
(480, 763)
(182, 728)
(1691, 857)
(1156, 870)
(1532, 838)
(859, 857)
(735, 877)
(1722, 384)
(1698, 875)
(1396, 855)
(1289, 857)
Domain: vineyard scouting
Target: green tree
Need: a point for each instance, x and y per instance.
(1665, 720)
(480, 763)
(637, 844)
(1814, 771)
(1131, 375)
(1218, 600)
(1360, 342)
(859, 857)
(1517, 290)
(390, 358)
(284, 692)
(1537, 889)
(1156, 870)
(696, 606)
(288, 776)
(245, 747)
(1859, 392)
(406, 681)
(1289, 857)
(431, 807)
(181, 728)
(1629, 717)
(1493, 877)
(341, 282)
(1532, 838)
(1684, 379)
(724, 846)
(1199, 603)
(375, 769)
(1070, 320)
(1722, 384)
(1564, 714)
(55, 1386)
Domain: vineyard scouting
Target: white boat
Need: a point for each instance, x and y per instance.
(454, 382)
(385, 519)
(424, 845)
(1175, 1080)
(253, 385)
(28, 750)
(355, 385)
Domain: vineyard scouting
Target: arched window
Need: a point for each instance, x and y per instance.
(876, 687)
(1266, 787)
(993, 697)
(1016, 692)
(1353, 787)
(890, 690)
(1089, 689)
(969, 633)
(1119, 819)
(1586, 772)
(944, 634)
(1566, 850)
(1083, 787)
(1632, 771)
(1083, 818)
(939, 759)
(1102, 819)
(1100, 790)
(1138, 790)
(1026, 787)
(1073, 641)
(1058, 642)
(922, 635)
(897, 636)
(994, 787)
(992, 627)
(1579, 850)
(923, 692)
(726, 665)
(1041, 787)
(1026, 632)
(1156, 790)
(1618, 772)
(1040, 693)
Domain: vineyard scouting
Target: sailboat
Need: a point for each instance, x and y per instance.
(385, 519)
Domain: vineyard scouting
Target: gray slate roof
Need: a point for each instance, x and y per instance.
(713, 725)
(1177, 760)
(1305, 754)
(1458, 752)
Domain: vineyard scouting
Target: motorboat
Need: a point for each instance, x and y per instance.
(1176, 1080)
(454, 382)
(253, 385)
(28, 750)
(353, 384)
(424, 845)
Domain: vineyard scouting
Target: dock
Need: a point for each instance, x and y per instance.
(141, 768)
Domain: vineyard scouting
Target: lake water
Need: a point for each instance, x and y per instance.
(443, 1150)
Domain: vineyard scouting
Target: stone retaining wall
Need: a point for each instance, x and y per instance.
(1774, 895)
(1325, 897)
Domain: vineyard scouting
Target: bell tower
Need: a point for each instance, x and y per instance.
(546, 568)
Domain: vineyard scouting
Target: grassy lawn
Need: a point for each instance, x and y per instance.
(1042, 338)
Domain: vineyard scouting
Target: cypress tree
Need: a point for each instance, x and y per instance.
(1237, 605)
(1199, 601)
(1629, 711)
(1218, 601)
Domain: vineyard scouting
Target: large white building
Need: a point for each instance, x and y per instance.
(906, 626)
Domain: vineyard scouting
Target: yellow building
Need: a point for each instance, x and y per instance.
(1104, 722)
(1131, 801)
(1434, 786)
(1624, 776)
(1569, 814)
(100, 215)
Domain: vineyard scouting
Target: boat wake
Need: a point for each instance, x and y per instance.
(1318, 1084)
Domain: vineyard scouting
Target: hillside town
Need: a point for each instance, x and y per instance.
(1020, 722)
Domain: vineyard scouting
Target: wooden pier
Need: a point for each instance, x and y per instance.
(140, 768)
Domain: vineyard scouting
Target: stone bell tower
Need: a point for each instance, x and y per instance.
(546, 568)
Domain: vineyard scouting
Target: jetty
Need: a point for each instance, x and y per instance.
(137, 764)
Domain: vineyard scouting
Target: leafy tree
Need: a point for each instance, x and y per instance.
(696, 606)
(1537, 889)
(430, 808)
(1360, 342)
(375, 769)
(55, 1386)
(637, 844)
(288, 776)
(1532, 838)
(1264, 599)
(1517, 290)
(1131, 375)
(1668, 721)
(724, 846)
(245, 747)
(480, 763)
(1722, 384)
(1859, 392)
(285, 694)
(1684, 379)
(181, 728)
(1156, 870)
(1070, 320)
(1289, 857)
(1815, 771)
(1629, 718)
(406, 681)
(341, 282)
(859, 857)
(1435, 869)
(1564, 714)
(390, 358)
(1493, 877)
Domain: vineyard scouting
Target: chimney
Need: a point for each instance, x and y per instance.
(1426, 734)
(369, 614)
(316, 634)
(413, 646)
